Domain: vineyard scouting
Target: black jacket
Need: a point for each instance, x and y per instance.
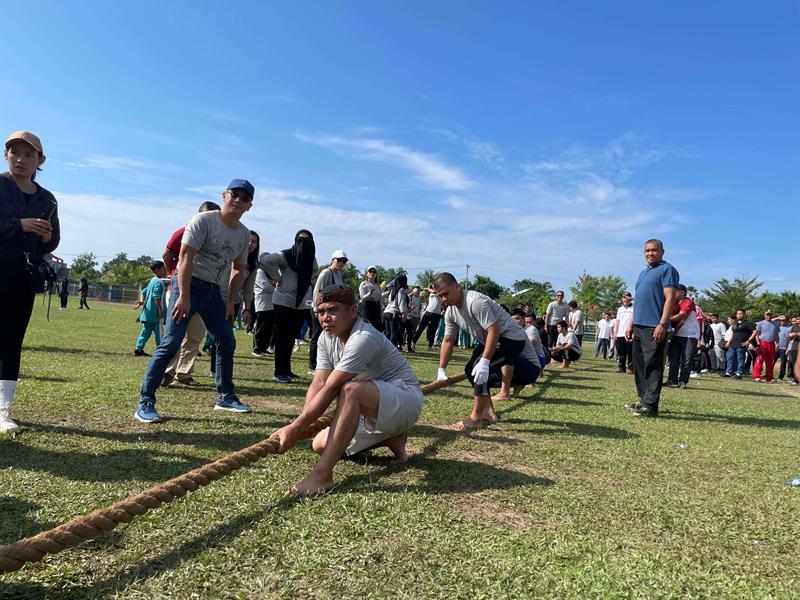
(14, 205)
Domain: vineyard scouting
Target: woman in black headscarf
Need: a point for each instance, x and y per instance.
(398, 299)
(294, 272)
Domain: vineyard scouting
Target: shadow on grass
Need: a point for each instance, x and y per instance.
(571, 428)
(17, 523)
(84, 352)
(733, 420)
(43, 378)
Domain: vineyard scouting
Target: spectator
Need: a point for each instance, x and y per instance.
(294, 272)
(792, 349)
(718, 355)
(398, 299)
(29, 229)
(64, 293)
(603, 336)
(181, 367)
(575, 321)
(414, 306)
(213, 260)
(765, 337)
(556, 312)
(567, 348)
(532, 331)
(683, 344)
(264, 325)
(736, 348)
(430, 319)
(783, 344)
(330, 275)
(370, 298)
(655, 297)
(542, 329)
(623, 345)
(83, 292)
(151, 301)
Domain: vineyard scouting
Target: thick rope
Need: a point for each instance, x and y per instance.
(87, 527)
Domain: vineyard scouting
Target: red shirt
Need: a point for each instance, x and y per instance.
(174, 244)
(684, 306)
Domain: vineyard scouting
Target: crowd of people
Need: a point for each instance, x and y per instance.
(216, 270)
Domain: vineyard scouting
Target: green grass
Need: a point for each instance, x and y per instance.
(567, 497)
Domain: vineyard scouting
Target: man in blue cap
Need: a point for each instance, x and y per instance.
(211, 268)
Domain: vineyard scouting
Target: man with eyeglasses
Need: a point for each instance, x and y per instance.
(556, 312)
(211, 268)
(329, 276)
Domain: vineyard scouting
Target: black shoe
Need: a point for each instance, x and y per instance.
(621, 371)
(673, 385)
(293, 375)
(140, 353)
(738, 376)
(646, 412)
(682, 385)
(723, 374)
(633, 405)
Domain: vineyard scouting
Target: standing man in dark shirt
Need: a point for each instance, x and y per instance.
(736, 348)
(655, 297)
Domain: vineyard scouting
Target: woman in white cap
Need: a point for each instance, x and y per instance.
(369, 293)
(29, 230)
(331, 275)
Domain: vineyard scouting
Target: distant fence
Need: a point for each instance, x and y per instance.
(126, 293)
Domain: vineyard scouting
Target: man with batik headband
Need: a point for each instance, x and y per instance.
(378, 396)
(503, 353)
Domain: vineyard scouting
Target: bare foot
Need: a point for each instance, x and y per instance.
(502, 396)
(489, 415)
(397, 445)
(467, 424)
(311, 485)
(517, 390)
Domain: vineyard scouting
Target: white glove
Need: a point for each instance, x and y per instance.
(441, 374)
(480, 371)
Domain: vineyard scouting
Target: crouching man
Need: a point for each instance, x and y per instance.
(378, 396)
(502, 355)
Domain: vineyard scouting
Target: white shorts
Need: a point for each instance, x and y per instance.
(399, 407)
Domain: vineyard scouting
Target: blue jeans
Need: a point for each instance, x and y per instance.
(206, 300)
(735, 357)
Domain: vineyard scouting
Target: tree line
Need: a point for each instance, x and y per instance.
(594, 293)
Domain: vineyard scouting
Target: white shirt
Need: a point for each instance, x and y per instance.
(604, 329)
(624, 319)
(576, 321)
(719, 330)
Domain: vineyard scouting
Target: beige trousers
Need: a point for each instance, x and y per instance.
(182, 364)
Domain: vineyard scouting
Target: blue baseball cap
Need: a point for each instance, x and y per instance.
(242, 184)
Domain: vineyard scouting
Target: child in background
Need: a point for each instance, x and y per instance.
(152, 308)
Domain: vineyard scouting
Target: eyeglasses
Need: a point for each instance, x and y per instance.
(372, 271)
(342, 260)
(240, 196)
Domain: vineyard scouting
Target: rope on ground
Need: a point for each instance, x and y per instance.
(87, 527)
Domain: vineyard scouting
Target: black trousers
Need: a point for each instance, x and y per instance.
(430, 321)
(570, 355)
(552, 333)
(648, 366)
(681, 358)
(783, 356)
(387, 324)
(83, 303)
(16, 305)
(624, 354)
(64, 301)
(507, 352)
(791, 358)
(287, 328)
(262, 330)
(397, 331)
(372, 313)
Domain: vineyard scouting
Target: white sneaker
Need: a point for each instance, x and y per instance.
(704, 370)
(7, 424)
(694, 375)
(296, 347)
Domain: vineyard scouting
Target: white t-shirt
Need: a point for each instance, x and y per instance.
(478, 312)
(367, 353)
(556, 313)
(569, 338)
(604, 329)
(719, 331)
(576, 321)
(434, 304)
(690, 327)
(535, 339)
(624, 319)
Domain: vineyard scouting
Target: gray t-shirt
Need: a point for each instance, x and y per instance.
(368, 353)
(414, 304)
(556, 313)
(325, 278)
(369, 292)
(478, 312)
(263, 289)
(434, 305)
(217, 245)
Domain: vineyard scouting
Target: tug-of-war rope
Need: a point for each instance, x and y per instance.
(87, 527)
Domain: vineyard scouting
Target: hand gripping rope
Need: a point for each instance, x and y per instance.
(87, 527)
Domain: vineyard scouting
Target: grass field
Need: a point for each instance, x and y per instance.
(567, 497)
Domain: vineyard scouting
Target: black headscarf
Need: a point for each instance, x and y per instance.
(301, 260)
(252, 257)
(399, 283)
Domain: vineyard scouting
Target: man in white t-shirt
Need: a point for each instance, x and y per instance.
(623, 345)
(567, 348)
(718, 328)
(575, 321)
(379, 397)
(603, 336)
(502, 353)
(556, 312)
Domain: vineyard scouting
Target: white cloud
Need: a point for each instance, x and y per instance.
(429, 168)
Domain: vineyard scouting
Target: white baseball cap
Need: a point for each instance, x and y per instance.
(338, 254)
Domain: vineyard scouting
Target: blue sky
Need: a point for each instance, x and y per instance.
(525, 139)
